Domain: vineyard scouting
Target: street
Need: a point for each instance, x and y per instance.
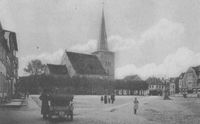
(89, 110)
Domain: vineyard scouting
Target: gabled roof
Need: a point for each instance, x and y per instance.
(197, 70)
(12, 39)
(181, 75)
(8, 39)
(132, 78)
(57, 69)
(86, 64)
(3, 40)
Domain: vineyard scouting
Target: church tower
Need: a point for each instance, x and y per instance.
(106, 57)
(0, 26)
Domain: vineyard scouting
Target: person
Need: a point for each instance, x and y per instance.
(44, 97)
(136, 105)
(109, 100)
(105, 99)
(101, 98)
(112, 98)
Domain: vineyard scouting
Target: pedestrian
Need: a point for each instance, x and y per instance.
(112, 98)
(109, 100)
(101, 98)
(105, 99)
(136, 105)
(44, 97)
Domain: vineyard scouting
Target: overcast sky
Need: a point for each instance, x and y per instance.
(150, 37)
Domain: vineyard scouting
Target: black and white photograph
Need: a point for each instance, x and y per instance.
(99, 61)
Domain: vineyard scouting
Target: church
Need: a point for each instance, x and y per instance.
(99, 64)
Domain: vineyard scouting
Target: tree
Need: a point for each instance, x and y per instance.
(35, 67)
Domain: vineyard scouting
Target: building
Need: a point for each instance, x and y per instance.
(156, 86)
(181, 89)
(172, 86)
(8, 62)
(190, 81)
(83, 65)
(106, 57)
(181, 82)
(56, 70)
(132, 78)
(99, 64)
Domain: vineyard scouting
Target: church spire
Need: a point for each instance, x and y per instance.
(103, 45)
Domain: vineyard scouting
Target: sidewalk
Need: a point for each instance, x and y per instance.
(14, 103)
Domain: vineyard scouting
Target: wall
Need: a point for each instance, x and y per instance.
(65, 61)
(189, 79)
(107, 60)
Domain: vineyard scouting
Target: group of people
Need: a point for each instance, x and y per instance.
(111, 98)
(108, 99)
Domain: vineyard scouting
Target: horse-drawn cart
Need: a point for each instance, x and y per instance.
(61, 106)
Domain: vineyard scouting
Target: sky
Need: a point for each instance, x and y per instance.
(149, 37)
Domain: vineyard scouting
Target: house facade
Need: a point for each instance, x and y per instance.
(172, 86)
(8, 62)
(190, 81)
(155, 85)
(181, 82)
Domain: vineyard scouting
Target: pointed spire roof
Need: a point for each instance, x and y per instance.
(103, 45)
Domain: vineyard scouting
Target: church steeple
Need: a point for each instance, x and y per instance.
(106, 57)
(103, 45)
(0, 26)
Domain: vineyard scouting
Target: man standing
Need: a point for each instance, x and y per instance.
(112, 98)
(45, 105)
(105, 99)
(136, 105)
(101, 98)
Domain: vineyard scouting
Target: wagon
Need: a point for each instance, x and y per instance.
(61, 106)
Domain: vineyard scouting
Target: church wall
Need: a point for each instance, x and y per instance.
(65, 61)
(107, 60)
